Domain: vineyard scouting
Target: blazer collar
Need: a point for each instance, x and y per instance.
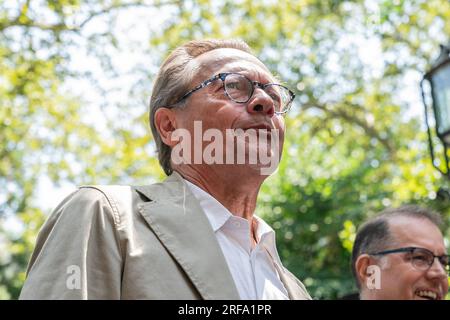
(292, 287)
(178, 220)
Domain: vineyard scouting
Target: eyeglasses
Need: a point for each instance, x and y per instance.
(422, 259)
(240, 89)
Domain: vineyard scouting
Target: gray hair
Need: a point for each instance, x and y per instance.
(374, 235)
(174, 79)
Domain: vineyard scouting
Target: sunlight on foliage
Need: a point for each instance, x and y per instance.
(355, 141)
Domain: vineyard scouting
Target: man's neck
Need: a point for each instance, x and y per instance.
(236, 193)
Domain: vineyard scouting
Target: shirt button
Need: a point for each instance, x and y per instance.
(237, 224)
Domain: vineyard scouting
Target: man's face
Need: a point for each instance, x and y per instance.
(215, 110)
(400, 280)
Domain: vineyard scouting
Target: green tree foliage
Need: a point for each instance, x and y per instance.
(47, 131)
(355, 144)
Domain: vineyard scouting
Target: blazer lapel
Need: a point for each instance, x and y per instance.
(178, 220)
(294, 290)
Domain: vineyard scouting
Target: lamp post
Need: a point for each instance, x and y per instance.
(439, 79)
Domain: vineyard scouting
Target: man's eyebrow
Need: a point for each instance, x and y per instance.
(251, 74)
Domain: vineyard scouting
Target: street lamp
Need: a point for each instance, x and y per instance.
(439, 79)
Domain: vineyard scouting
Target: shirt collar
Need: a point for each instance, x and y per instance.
(218, 216)
(216, 213)
(266, 236)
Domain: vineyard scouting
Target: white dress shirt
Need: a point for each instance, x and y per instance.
(253, 270)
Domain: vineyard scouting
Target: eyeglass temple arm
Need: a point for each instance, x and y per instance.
(410, 249)
(202, 85)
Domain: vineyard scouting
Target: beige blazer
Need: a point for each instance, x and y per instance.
(123, 242)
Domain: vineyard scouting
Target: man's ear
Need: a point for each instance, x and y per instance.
(165, 123)
(361, 266)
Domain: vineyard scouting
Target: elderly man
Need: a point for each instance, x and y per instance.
(400, 255)
(195, 235)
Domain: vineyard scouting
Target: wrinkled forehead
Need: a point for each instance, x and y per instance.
(229, 60)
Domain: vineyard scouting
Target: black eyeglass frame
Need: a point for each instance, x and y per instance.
(411, 250)
(222, 76)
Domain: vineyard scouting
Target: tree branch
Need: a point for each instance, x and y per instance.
(58, 27)
(122, 6)
(370, 130)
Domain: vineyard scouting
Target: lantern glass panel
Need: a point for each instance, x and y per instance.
(441, 96)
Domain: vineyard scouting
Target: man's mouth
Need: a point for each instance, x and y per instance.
(261, 126)
(427, 294)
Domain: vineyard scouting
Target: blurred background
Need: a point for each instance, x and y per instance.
(75, 82)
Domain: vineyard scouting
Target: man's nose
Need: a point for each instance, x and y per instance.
(261, 102)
